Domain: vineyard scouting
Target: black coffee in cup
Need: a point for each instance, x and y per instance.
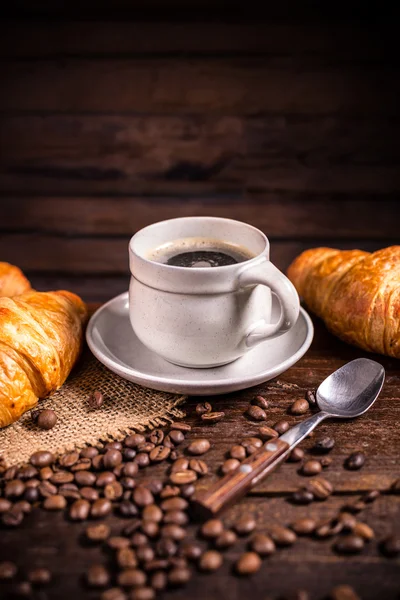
(197, 253)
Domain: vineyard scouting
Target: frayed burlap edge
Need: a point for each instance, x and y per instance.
(127, 407)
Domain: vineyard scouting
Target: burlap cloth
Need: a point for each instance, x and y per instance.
(126, 407)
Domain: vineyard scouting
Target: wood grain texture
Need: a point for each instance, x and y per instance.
(317, 154)
(279, 215)
(240, 86)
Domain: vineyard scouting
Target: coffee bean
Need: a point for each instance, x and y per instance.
(324, 444)
(85, 478)
(142, 460)
(55, 502)
(210, 561)
(39, 576)
(142, 496)
(320, 488)
(8, 570)
(22, 590)
(311, 397)
(46, 489)
(150, 528)
(42, 458)
(46, 419)
(296, 455)
(175, 532)
(203, 407)
(179, 576)
(212, 528)
(349, 544)
(343, 592)
(166, 547)
(12, 518)
(139, 539)
(199, 446)
(328, 528)
(261, 402)
(10, 473)
(371, 496)
(297, 595)
(213, 417)
(158, 581)
(105, 478)
(22, 506)
(117, 542)
(299, 407)
(252, 443)
(31, 495)
(142, 593)
(176, 436)
(152, 512)
(391, 546)
(262, 544)
(27, 472)
(5, 505)
(127, 483)
(248, 563)
(147, 447)
(170, 491)
(112, 458)
(126, 558)
(191, 551)
(325, 461)
(113, 594)
(176, 516)
(187, 490)
(100, 508)
(304, 526)
(159, 453)
(181, 464)
(244, 525)
(127, 509)
(86, 463)
(302, 496)
(231, 464)
(311, 467)
(226, 539)
(364, 531)
(282, 536)
(238, 452)
(14, 488)
(355, 461)
(45, 473)
(181, 426)
(98, 532)
(79, 510)
(60, 477)
(131, 578)
(145, 553)
(267, 433)
(256, 413)
(355, 507)
(97, 576)
(95, 400)
(281, 427)
(89, 493)
(156, 437)
(69, 459)
(89, 452)
(134, 440)
(347, 520)
(183, 477)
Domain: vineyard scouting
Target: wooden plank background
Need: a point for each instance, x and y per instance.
(109, 125)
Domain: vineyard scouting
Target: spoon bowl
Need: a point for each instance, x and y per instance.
(351, 390)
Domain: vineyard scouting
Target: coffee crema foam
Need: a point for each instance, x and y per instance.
(198, 252)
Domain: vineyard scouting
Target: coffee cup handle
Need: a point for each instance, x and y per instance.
(265, 273)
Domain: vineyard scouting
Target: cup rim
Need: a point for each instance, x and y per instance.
(177, 269)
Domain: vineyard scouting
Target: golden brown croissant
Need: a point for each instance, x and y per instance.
(12, 281)
(356, 293)
(41, 336)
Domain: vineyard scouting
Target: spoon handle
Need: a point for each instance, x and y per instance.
(234, 485)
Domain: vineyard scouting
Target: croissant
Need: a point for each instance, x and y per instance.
(41, 335)
(12, 281)
(356, 293)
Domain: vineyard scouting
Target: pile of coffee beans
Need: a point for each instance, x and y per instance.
(155, 549)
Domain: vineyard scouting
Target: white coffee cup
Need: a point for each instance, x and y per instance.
(205, 317)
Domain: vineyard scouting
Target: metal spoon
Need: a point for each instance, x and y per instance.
(347, 393)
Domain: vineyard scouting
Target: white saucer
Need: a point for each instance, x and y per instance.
(113, 342)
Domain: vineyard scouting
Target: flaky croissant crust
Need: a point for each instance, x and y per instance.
(41, 335)
(356, 293)
(12, 281)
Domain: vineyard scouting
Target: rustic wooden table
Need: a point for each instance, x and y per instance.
(312, 565)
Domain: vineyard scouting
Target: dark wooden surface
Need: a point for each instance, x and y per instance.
(50, 540)
(110, 124)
